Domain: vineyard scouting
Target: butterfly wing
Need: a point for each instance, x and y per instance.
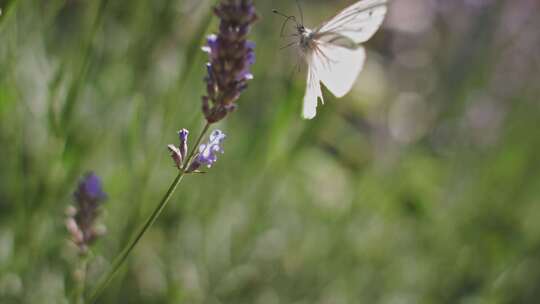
(337, 57)
(338, 67)
(357, 22)
(313, 93)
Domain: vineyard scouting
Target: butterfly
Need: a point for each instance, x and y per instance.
(333, 51)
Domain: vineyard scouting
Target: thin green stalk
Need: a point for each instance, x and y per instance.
(81, 280)
(121, 258)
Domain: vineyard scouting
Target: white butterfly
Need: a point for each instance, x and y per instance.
(333, 51)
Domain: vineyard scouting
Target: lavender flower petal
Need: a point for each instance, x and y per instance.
(207, 155)
(208, 152)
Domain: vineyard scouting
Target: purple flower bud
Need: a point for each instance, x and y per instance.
(178, 154)
(90, 188)
(211, 46)
(82, 215)
(183, 135)
(250, 46)
(183, 147)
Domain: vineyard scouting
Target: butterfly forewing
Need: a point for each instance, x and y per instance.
(357, 22)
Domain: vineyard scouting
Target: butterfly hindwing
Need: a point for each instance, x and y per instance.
(338, 67)
(313, 93)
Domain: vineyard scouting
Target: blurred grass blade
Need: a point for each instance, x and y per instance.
(76, 85)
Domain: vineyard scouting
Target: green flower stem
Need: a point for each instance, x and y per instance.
(195, 147)
(121, 258)
(81, 280)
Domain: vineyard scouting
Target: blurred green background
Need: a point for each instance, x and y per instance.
(420, 186)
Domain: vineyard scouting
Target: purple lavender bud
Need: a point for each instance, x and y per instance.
(231, 57)
(178, 154)
(183, 147)
(245, 74)
(211, 46)
(82, 215)
(90, 188)
(207, 155)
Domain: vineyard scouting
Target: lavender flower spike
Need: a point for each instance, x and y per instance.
(207, 155)
(82, 216)
(230, 57)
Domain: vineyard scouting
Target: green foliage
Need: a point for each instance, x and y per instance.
(421, 186)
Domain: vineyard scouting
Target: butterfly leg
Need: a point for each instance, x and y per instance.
(288, 45)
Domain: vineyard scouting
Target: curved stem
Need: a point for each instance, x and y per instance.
(121, 258)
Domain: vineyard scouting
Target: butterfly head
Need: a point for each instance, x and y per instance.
(306, 37)
(304, 32)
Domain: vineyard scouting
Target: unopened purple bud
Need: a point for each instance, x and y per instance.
(211, 45)
(250, 58)
(183, 135)
(178, 154)
(183, 147)
(83, 214)
(212, 40)
(91, 187)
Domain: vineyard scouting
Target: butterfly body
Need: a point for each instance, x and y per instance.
(333, 51)
(306, 41)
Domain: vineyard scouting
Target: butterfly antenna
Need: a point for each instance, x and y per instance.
(301, 12)
(275, 11)
(287, 18)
